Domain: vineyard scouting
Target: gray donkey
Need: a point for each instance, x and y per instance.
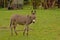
(22, 20)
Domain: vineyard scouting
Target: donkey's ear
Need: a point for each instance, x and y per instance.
(35, 11)
(31, 11)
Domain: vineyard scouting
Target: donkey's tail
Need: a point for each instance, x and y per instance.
(10, 23)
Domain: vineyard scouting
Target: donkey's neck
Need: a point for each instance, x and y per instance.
(29, 20)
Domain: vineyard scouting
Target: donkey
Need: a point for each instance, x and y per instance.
(22, 20)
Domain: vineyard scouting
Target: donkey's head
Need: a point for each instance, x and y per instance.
(33, 17)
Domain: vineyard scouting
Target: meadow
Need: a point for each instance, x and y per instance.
(46, 27)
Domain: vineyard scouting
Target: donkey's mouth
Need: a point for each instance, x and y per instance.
(33, 22)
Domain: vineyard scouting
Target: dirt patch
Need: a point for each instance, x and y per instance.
(3, 27)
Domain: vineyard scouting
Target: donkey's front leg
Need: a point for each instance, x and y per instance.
(26, 29)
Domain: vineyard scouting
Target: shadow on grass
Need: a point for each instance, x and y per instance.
(7, 29)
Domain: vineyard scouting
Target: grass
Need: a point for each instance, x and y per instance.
(47, 26)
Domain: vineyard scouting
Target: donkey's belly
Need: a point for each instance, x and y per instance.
(21, 23)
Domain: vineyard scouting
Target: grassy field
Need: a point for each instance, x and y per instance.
(47, 26)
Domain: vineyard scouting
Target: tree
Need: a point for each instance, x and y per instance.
(35, 3)
(49, 3)
(58, 3)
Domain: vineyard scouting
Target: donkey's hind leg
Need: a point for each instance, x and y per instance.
(15, 29)
(11, 30)
(11, 27)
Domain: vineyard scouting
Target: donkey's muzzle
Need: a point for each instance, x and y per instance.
(33, 21)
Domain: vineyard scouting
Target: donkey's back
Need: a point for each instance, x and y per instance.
(20, 19)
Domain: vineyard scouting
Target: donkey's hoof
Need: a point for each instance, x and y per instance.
(27, 34)
(23, 34)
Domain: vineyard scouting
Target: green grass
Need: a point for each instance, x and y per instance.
(47, 26)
